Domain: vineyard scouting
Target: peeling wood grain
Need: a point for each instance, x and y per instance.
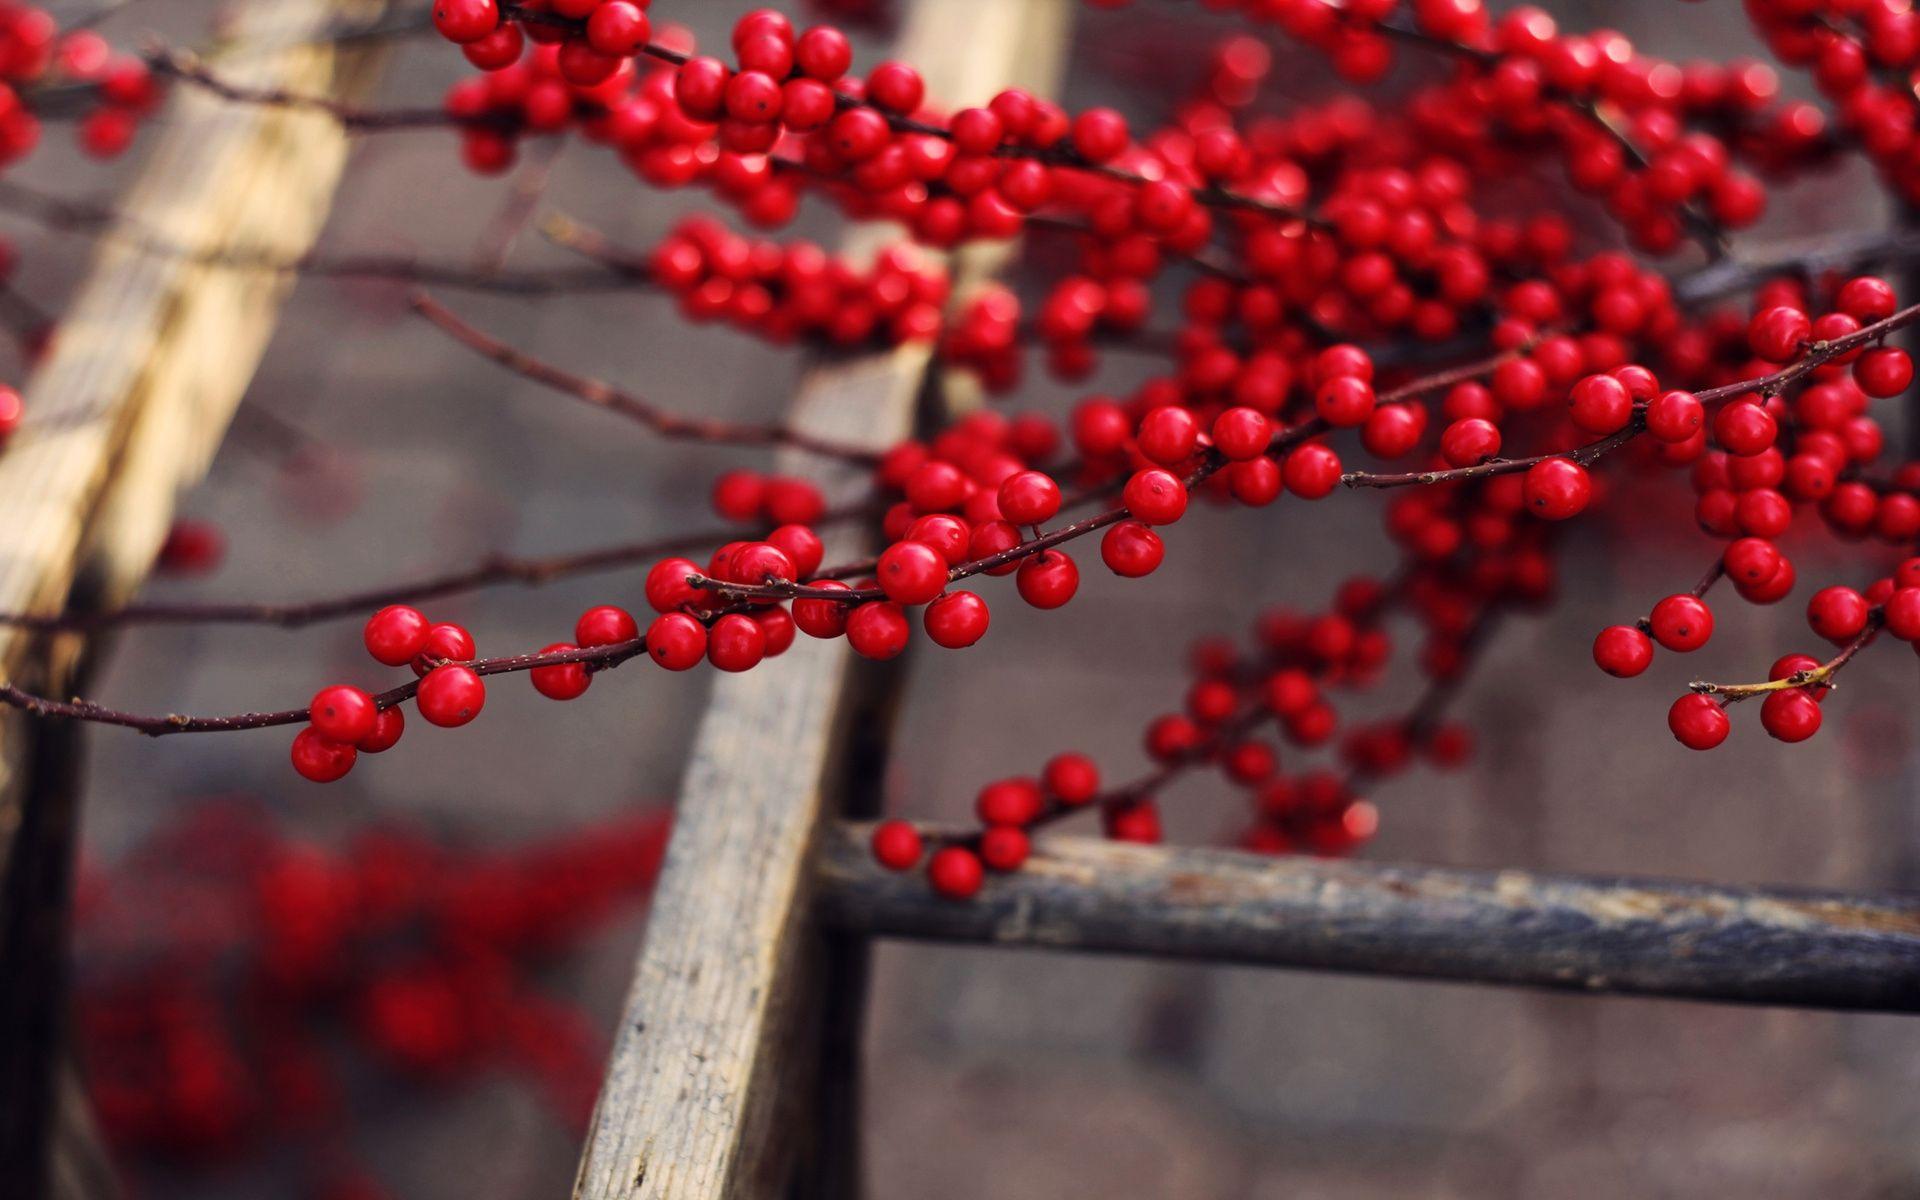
(1647, 937)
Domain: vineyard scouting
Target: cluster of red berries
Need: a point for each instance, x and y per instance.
(1858, 55)
(42, 65)
(798, 291)
(219, 963)
(1282, 682)
(344, 720)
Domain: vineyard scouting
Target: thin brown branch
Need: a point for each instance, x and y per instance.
(1820, 676)
(596, 658)
(605, 395)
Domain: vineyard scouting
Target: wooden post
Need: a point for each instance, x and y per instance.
(719, 1044)
(1643, 937)
(148, 365)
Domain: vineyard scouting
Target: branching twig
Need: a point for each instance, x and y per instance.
(604, 395)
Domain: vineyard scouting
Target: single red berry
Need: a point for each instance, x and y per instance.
(1469, 441)
(618, 28)
(342, 714)
(1744, 428)
(824, 53)
(1099, 135)
(736, 643)
(395, 634)
(1344, 400)
(878, 629)
(1776, 333)
(1004, 849)
(1838, 613)
(677, 641)
(1009, 802)
(1902, 612)
(605, 625)
(897, 845)
(895, 87)
(1682, 622)
(464, 21)
(1697, 722)
(1242, 433)
(387, 728)
(1169, 435)
(1790, 715)
(321, 760)
(1047, 579)
(1675, 416)
(1155, 496)
(450, 696)
(1312, 471)
(1883, 371)
(667, 587)
(1557, 488)
(1750, 560)
(1866, 299)
(912, 572)
(1029, 497)
(956, 620)
(446, 642)
(1622, 651)
(955, 872)
(1600, 404)
(563, 681)
(1071, 779)
(1130, 549)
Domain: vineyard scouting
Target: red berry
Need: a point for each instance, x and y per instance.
(1776, 333)
(342, 714)
(1242, 433)
(605, 625)
(677, 641)
(446, 642)
(955, 872)
(1312, 471)
(1557, 488)
(452, 695)
(387, 728)
(465, 20)
(395, 634)
(1029, 497)
(1744, 428)
(1047, 579)
(319, 759)
(824, 53)
(1130, 549)
(1751, 560)
(912, 572)
(1697, 722)
(1675, 416)
(1682, 622)
(1469, 441)
(1790, 715)
(1622, 651)
(563, 681)
(1099, 135)
(956, 620)
(895, 87)
(896, 845)
(1071, 779)
(1004, 849)
(1344, 400)
(618, 28)
(1155, 496)
(1009, 802)
(1883, 371)
(1902, 612)
(1600, 404)
(736, 643)
(877, 629)
(1169, 435)
(1838, 613)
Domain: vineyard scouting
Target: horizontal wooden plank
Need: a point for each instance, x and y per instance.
(1597, 935)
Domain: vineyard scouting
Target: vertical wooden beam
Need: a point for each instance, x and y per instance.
(710, 1082)
(150, 361)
